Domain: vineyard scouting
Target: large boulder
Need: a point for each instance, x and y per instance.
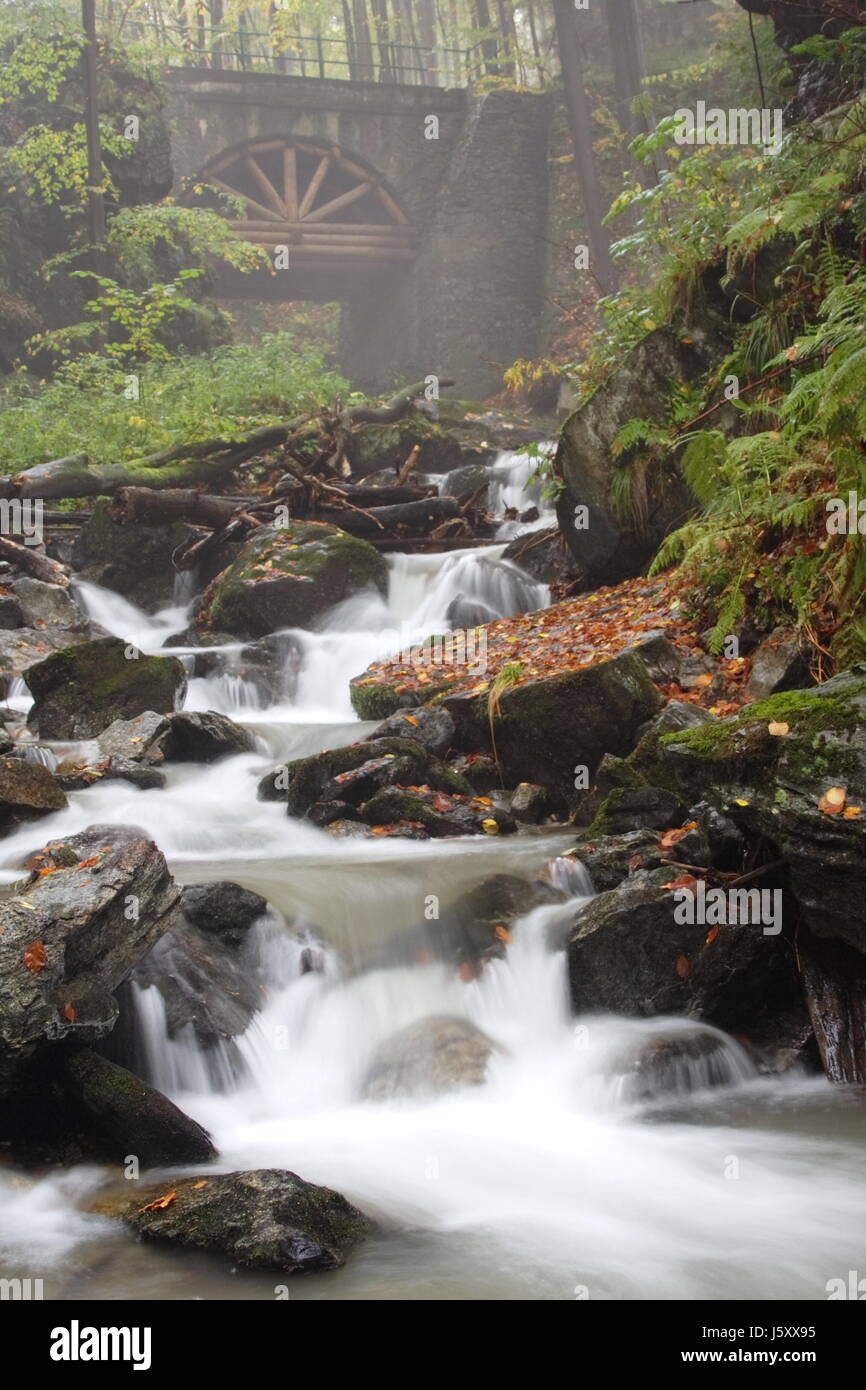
(203, 737)
(547, 728)
(79, 691)
(264, 1219)
(224, 910)
(285, 576)
(428, 1058)
(70, 933)
(354, 774)
(39, 619)
(131, 559)
(76, 1106)
(608, 547)
(768, 769)
(27, 791)
(202, 985)
(628, 954)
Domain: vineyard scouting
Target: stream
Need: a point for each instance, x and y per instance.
(553, 1180)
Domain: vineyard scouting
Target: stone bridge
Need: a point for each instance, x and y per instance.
(421, 210)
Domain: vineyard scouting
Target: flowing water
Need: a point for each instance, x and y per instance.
(556, 1179)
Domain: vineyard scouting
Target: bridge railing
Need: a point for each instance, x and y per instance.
(311, 55)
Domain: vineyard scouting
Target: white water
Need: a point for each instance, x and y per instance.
(547, 1179)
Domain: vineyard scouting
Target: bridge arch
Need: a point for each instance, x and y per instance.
(335, 213)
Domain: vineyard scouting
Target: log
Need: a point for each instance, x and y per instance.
(377, 521)
(150, 506)
(27, 558)
(833, 975)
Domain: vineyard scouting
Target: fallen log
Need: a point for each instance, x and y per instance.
(422, 516)
(184, 465)
(38, 566)
(150, 506)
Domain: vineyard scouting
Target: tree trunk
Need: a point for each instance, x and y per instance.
(351, 50)
(489, 47)
(580, 126)
(363, 40)
(626, 51)
(383, 40)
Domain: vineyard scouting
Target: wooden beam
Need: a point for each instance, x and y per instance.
(290, 182)
(360, 191)
(392, 205)
(251, 202)
(265, 185)
(314, 185)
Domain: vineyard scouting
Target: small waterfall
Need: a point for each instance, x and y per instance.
(515, 486)
(178, 1064)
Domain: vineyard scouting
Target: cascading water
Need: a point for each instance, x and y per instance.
(597, 1154)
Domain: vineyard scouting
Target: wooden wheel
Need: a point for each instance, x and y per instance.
(326, 207)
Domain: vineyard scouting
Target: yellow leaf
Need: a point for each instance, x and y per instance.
(489, 826)
(778, 730)
(852, 812)
(833, 801)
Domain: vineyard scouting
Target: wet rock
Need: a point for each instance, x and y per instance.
(69, 937)
(549, 727)
(770, 786)
(47, 604)
(466, 483)
(529, 803)
(479, 770)
(133, 560)
(73, 775)
(463, 613)
(778, 664)
(430, 1057)
(224, 910)
(429, 725)
(660, 657)
(679, 1063)
(638, 808)
(92, 1110)
(201, 983)
(608, 549)
(135, 740)
(477, 924)
(544, 555)
(264, 1219)
(286, 576)
(440, 815)
(627, 954)
(79, 691)
(203, 738)
(27, 791)
(352, 774)
(610, 859)
(676, 715)
(11, 612)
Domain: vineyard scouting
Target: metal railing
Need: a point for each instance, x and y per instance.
(308, 55)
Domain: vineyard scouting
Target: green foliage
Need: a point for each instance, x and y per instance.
(92, 406)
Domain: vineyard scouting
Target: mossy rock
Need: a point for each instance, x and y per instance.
(79, 691)
(264, 1219)
(287, 576)
(133, 560)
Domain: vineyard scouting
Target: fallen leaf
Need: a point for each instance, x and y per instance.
(410, 719)
(88, 863)
(489, 826)
(673, 837)
(833, 801)
(683, 966)
(684, 881)
(69, 1013)
(35, 958)
(851, 812)
(778, 730)
(160, 1204)
(503, 933)
(711, 935)
(197, 1186)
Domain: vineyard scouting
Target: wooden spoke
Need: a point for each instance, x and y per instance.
(265, 185)
(343, 201)
(251, 202)
(290, 182)
(313, 187)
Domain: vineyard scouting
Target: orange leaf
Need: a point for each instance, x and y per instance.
(35, 958)
(704, 679)
(88, 863)
(160, 1204)
(684, 881)
(672, 837)
(777, 730)
(851, 812)
(381, 829)
(410, 719)
(683, 966)
(503, 933)
(197, 1186)
(711, 935)
(69, 1013)
(833, 801)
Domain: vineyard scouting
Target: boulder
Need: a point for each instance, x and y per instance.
(438, 814)
(69, 936)
(676, 715)
(354, 773)
(264, 1219)
(203, 738)
(429, 725)
(675, 1065)
(223, 910)
(80, 690)
(91, 1110)
(48, 605)
(529, 803)
(549, 727)
(477, 925)
(610, 859)
(201, 984)
(27, 791)
(133, 560)
(430, 1057)
(638, 808)
(778, 664)
(545, 556)
(11, 612)
(609, 547)
(628, 954)
(287, 576)
(134, 740)
(766, 769)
